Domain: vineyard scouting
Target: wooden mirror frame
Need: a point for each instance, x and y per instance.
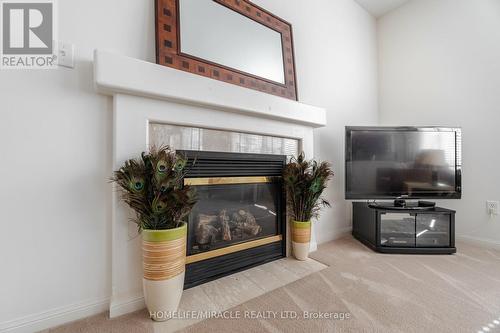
(168, 50)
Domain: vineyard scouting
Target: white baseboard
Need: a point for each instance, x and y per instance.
(124, 305)
(55, 317)
(484, 242)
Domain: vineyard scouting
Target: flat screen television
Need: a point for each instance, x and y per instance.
(403, 162)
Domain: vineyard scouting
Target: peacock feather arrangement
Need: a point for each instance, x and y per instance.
(153, 187)
(305, 182)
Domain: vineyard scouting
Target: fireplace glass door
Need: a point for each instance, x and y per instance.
(233, 210)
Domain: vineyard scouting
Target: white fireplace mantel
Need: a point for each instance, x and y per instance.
(144, 92)
(120, 74)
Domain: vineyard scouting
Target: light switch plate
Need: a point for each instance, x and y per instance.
(66, 55)
(492, 207)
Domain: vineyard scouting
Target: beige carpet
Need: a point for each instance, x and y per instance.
(382, 293)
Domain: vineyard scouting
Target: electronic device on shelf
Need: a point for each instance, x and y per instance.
(400, 204)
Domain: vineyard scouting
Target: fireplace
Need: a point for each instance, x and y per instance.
(239, 220)
(202, 114)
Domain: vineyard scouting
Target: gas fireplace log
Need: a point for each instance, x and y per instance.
(224, 220)
(206, 232)
(246, 222)
(251, 229)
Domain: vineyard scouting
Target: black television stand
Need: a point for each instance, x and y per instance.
(408, 230)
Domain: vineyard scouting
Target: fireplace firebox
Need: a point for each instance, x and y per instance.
(239, 220)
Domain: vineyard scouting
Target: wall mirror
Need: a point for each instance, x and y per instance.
(233, 41)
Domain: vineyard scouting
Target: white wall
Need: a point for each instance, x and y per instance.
(439, 64)
(55, 139)
(336, 59)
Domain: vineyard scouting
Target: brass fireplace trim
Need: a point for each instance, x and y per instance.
(231, 249)
(228, 180)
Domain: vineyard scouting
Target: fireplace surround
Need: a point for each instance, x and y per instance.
(239, 220)
(144, 93)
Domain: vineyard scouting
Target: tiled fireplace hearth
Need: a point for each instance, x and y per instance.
(240, 220)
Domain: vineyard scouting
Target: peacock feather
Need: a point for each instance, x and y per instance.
(153, 187)
(305, 182)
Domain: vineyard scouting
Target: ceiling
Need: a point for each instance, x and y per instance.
(380, 7)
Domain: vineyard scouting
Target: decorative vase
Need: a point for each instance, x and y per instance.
(164, 260)
(301, 238)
